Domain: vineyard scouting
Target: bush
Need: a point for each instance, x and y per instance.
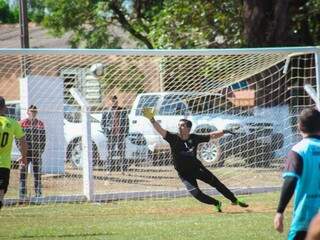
(7, 14)
(4, 11)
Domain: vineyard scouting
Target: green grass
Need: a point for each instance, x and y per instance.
(176, 219)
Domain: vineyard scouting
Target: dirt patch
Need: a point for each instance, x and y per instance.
(140, 178)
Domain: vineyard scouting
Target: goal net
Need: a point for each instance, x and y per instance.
(256, 93)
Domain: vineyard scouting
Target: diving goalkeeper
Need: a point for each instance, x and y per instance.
(183, 149)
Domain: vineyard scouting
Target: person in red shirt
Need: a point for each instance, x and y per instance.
(36, 140)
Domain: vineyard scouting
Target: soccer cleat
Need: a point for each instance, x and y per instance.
(240, 203)
(219, 206)
(1, 204)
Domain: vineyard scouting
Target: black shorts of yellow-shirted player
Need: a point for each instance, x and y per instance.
(9, 129)
(183, 147)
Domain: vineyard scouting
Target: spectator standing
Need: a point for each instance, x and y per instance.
(114, 124)
(36, 141)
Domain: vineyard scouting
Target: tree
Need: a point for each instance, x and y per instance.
(281, 23)
(153, 23)
(36, 10)
(186, 23)
(7, 14)
(4, 11)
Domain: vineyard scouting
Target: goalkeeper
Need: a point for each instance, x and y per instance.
(183, 148)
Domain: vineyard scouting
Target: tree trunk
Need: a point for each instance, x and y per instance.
(265, 22)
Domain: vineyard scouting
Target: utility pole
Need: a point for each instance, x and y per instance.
(24, 34)
(23, 19)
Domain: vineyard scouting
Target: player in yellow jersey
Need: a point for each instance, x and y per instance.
(9, 129)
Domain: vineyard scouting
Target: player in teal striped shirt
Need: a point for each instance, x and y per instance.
(302, 177)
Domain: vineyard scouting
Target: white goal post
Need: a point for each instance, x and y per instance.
(258, 93)
(86, 144)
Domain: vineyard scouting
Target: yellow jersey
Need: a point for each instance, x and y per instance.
(9, 129)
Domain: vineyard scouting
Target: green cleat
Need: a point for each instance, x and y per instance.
(219, 206)
(240, 203)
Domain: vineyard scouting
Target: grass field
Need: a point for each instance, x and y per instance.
(182, 218)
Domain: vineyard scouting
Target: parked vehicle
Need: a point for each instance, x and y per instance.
(255, 140)
(135, 148)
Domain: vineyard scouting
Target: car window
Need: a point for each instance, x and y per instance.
(217, 104)
(13, 110)
(173, 105)
(207, 104)
(146, 101)
(72, 113)
(94, 120)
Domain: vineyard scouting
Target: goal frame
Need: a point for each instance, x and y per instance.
(88, 194)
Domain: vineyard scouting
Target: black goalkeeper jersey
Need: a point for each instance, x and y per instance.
(184, 152)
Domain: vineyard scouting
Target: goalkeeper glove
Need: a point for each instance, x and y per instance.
(148, 112)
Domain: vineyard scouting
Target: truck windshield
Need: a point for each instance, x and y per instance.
(218, 104)
(173, 105)
(146, 101)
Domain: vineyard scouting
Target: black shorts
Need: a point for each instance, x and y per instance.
(4, 178)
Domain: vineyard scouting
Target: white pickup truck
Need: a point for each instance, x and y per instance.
(255, 140)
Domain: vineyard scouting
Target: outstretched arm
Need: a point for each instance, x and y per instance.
(220, 133)
(216, 134)
(149, 113)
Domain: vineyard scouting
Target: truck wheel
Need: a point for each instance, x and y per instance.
(210, 154)
(74, 154)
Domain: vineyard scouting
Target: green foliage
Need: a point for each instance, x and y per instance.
(84, 18)
(8, 15)
(36, 10)
(168, 24)
(14, 15)
(306, 23)
(4, 11)
(155, 24)
(194, 24)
